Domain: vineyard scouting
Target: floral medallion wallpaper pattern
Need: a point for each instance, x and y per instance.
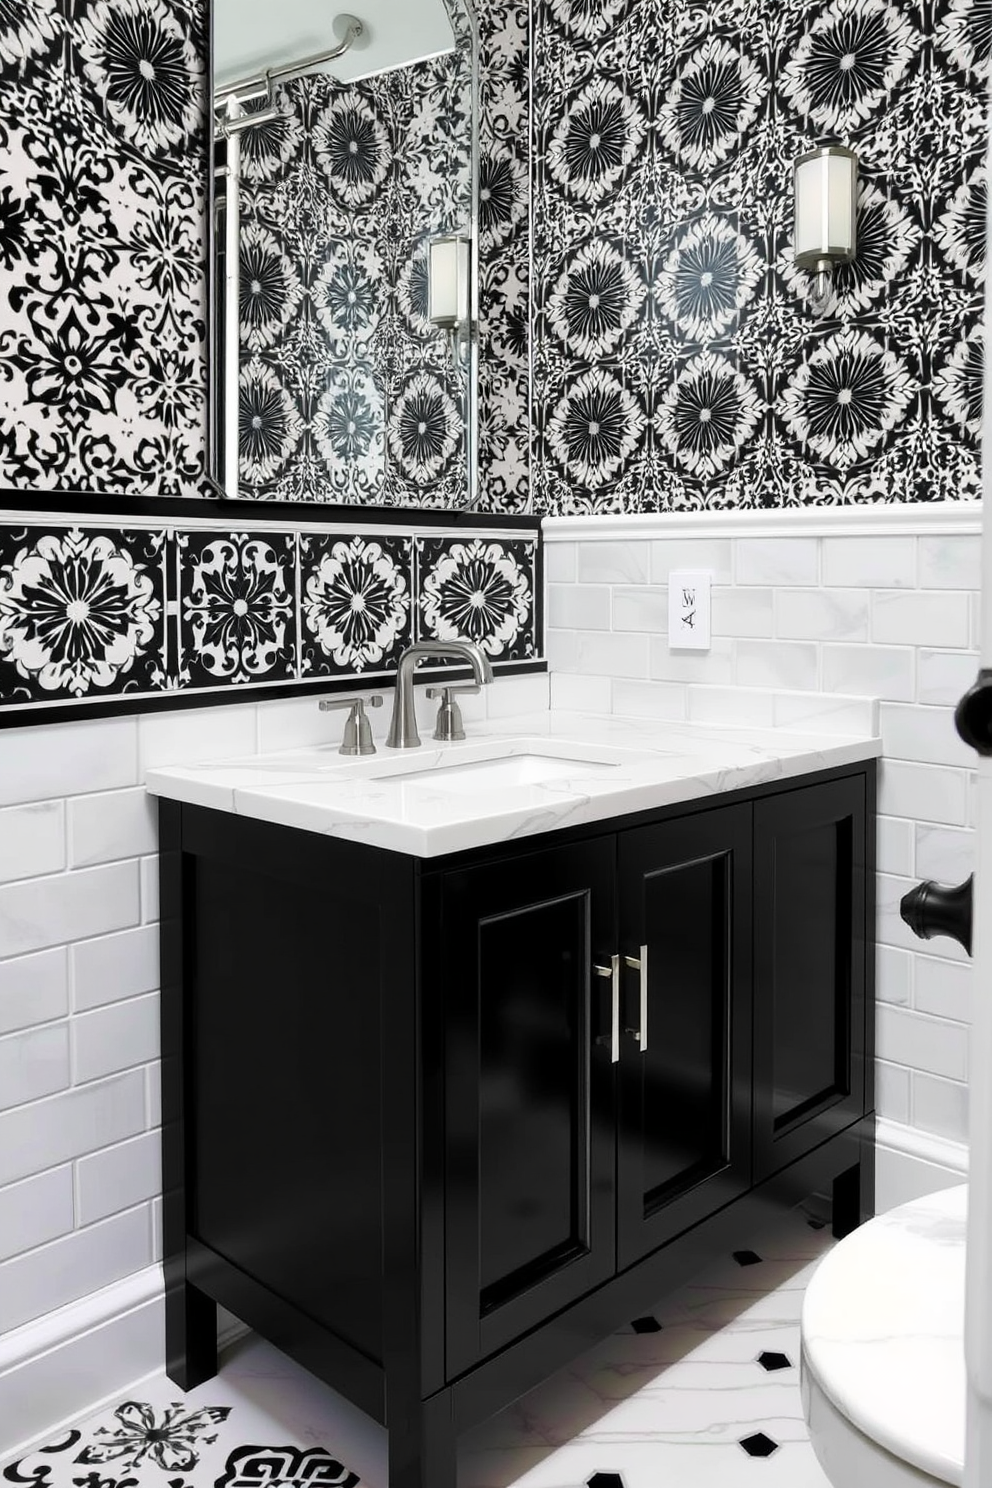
(348, 392)
(95, 616)
(676, 360)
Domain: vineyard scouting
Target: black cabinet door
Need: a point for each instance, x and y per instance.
(529, 1084)
(685, 1069)
(810, 968)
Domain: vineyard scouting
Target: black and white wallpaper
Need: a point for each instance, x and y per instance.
(92, 614)
(677, 363)
(348, 392)
(102, 246)
(505, 49)
(645, 340)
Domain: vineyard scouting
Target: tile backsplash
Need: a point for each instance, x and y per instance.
(807, 631)
(93, 615)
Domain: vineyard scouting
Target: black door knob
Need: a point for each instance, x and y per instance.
(930, 909)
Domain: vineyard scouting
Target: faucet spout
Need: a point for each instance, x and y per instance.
(403, 725)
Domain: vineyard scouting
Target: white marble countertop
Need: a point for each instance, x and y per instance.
(883, 1331)
(588, 768)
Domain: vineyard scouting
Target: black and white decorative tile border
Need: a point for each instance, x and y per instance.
(100, 618)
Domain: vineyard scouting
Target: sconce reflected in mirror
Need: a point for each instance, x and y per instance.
(449, 291)
(826, 194)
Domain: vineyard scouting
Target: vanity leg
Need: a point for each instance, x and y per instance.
(190, 1333)
(190, 1315)
(422, 1451)
(854, 1193)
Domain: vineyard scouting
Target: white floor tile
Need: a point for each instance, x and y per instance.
(654, 1407)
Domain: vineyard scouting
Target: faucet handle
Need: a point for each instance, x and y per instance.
(357, 729)
(449, 716)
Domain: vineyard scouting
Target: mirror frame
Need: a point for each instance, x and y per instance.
(214, 411)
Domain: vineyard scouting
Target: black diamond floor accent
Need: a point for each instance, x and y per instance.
(646, 1325)
(747, 1258)
(759, 1445)
(605, 1480)
(772, 1362)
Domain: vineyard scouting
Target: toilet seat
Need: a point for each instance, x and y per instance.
(883, 1376)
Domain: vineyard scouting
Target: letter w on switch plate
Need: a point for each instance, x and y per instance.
(689, 610)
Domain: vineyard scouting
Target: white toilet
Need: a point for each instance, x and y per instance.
(883, 1376)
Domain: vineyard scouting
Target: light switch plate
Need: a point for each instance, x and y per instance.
(689, 610)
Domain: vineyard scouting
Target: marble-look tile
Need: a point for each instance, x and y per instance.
(671, 1405)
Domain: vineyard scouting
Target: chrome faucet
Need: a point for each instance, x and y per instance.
(403, 725)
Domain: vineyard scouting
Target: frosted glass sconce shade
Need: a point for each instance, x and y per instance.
(826, 195)
(448, 282)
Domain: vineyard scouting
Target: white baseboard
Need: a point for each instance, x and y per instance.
(62, 1367)
(910, 1164)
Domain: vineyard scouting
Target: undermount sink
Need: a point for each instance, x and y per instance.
(471, 776)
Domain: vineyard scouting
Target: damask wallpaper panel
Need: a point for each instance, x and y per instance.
(676, 362)
(102, 246)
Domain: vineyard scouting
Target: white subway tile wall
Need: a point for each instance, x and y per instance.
(801, 625)
(80, 1085)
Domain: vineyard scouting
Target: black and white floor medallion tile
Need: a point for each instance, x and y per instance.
(176, 1446)
(82, 613)
(479, 590)
(237, 607)
(356, 603)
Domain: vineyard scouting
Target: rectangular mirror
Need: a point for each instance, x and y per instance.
(343, 220)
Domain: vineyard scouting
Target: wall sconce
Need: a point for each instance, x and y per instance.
(826, 194)
(448, 289)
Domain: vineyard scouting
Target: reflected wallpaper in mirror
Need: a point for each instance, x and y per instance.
(347, 393)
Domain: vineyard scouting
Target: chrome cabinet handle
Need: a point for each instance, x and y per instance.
(613, 973)
(640, 963)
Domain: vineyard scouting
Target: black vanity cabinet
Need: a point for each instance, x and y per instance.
(435, 1126)
(811, 969)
